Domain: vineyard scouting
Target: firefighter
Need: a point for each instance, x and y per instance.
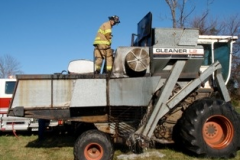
(102, 45)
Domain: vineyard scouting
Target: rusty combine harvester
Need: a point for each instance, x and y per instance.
(169, 86)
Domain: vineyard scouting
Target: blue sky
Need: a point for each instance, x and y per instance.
(45, 35)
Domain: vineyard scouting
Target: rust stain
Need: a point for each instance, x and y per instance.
(91, 119)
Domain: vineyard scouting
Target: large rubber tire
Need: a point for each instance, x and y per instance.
(210, 128)
(93, 145)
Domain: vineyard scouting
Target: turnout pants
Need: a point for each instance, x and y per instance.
(101, 52)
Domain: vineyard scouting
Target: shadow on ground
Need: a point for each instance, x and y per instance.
(53, 140)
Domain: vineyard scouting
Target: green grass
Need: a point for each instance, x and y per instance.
(26, 147)
(60, 147)
(237, 109)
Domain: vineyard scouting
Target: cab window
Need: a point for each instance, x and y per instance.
(9, 87)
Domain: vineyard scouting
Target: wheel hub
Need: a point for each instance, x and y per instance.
(93, 151)
(218, 131)
(211, 130)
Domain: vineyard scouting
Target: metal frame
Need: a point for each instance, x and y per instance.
(164, 104)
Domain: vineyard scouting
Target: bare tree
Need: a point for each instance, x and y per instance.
(9, 66)
(206, 25)
(182, 16)
(231, 25)
(179, 12)
(173, 5)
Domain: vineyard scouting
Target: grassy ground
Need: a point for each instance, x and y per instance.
(237, 109)
(25, 146)
(60, 147)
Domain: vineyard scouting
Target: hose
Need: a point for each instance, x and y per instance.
(14, 131)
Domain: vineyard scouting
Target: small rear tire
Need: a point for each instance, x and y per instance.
(93, 145)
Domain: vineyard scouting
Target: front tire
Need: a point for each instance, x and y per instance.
(93, 145)
(210, 128)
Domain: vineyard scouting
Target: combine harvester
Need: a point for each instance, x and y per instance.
(168, 87)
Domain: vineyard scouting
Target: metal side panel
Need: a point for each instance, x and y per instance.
(43, 93)
(89, 93)
(132, 91)
(171, 37)
(32, 93)
(62, 92)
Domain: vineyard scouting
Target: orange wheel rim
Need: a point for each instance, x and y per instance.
(93, 151)
(218, 132)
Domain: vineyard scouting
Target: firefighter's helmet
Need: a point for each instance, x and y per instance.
(115, 19)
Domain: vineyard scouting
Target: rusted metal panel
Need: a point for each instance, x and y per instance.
(56, 76)
(49, 113)
(43, 93)
(91, 119)
(106, 127)
(132, 91)
(62, 92)
(35, 93)
(89, 93)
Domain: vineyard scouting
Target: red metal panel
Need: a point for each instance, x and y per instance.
(4, 104)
